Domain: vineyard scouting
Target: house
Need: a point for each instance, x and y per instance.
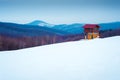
(91, 31)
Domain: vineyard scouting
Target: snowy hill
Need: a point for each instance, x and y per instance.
(97, 59)
(40, 23)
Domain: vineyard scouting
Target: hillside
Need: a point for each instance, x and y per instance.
(17, 36)
(97, 59)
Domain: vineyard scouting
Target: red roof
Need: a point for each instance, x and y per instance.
(91, 26)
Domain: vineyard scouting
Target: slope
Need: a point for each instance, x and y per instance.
(97, 59)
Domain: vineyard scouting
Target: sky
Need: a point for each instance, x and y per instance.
(60, 11)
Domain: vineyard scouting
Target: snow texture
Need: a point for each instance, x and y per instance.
(97, 59)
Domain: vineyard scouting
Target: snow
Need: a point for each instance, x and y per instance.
(97, 59)
(40, 23)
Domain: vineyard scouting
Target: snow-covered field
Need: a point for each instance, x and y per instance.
(97, 59)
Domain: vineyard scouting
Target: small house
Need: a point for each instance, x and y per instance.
(91, 31)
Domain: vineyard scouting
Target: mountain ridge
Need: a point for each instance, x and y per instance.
(40, 23)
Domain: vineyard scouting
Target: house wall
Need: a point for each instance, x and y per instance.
(91, 35)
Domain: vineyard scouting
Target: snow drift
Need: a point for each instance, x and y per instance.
(97, 59)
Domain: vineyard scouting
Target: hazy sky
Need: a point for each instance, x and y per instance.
(60, 11)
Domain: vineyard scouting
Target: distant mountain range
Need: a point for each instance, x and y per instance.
(40, 23)
(76, 28)
(17, 36)
(18, 30)
(69, 28)
(109, 26)
(41, 28)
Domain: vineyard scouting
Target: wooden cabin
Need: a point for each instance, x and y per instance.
(91, 31)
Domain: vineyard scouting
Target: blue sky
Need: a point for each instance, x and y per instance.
(60, 11)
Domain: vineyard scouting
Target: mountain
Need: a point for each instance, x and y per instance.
(13, 29)
(110, 26)
(97, 59)
(70, 28)
(78, 28)
(40, 23)
(18, 36)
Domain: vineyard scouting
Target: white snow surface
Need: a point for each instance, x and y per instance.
(97, 59)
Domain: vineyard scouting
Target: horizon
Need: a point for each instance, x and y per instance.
(60, 12)
(59, 23)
